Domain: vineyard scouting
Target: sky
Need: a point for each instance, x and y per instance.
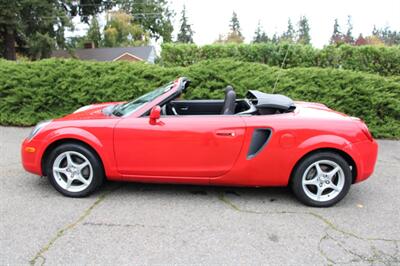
(209, 18)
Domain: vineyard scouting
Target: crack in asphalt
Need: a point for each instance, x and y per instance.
(121, 225)
(378, 256)
(61, 232)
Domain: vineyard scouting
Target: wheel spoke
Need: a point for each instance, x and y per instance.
(333, 172)
(61, 170)
(83, 165)
(319, 191)
(69, 159)
(313, 181)
(69, 182)
(334, 187)
(82, 179)
(318, 168)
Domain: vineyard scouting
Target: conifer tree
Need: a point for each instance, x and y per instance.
(259, 35)
(185, 34)
(304, 31)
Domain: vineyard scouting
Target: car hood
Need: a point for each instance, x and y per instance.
(93, 111)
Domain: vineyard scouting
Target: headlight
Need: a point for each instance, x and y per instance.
(37, 128)
(83, 108)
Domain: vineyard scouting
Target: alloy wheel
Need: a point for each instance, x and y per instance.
(323, 180)
(72, 171)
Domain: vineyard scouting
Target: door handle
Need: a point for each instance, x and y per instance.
(185, 108)
(226, 133)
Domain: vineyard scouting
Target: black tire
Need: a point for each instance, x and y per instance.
(297, 178)
(96, 166)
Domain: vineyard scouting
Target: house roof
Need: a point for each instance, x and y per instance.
(108, 54)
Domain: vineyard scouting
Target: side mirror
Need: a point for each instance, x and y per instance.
(155, 114)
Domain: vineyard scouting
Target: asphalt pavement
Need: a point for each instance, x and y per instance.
(129, 223)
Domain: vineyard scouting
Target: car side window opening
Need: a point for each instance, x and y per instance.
(255, 103)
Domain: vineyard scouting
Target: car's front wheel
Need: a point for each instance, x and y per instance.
(74, 170)
(321, 179)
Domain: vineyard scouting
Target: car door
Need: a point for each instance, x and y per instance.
(178, 146)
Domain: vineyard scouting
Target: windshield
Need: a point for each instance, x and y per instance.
(129, 107)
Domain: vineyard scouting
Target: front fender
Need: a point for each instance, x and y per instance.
(104, 150)
(74, 133)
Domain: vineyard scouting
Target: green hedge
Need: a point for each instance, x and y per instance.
(33, 91)
(374, 59)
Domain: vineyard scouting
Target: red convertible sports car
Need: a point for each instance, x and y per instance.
(262, 140)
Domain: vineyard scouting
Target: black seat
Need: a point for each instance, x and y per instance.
(229, 102)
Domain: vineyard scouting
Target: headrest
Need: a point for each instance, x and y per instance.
(228, 88)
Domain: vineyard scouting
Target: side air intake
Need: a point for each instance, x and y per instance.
(258, 141)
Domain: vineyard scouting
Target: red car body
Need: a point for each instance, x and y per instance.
(206, 149)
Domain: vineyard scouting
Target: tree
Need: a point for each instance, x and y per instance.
(259, 35)
(87, 8)
(121, 30)
(304, 31)
(235, 34)
(337, 36)
(94, 34)
(233, 37)
(185, 34)
(374, 40)
(33, 28)
(360, 40)
(9, 20)
(289, 35)
(348, 38)
(275, 38)
(74, 42)
(375, 31)
(221, 39)
(234, 24)
(387, 36)
(154, 16)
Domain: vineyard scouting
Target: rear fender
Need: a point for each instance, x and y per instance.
(322, 142)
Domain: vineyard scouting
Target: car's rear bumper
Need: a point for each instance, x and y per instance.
(365, 154)
(31, 156)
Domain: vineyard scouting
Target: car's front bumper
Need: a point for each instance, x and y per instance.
(31, 156)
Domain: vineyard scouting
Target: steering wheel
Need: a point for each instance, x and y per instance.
(164, 110)
(174, 110)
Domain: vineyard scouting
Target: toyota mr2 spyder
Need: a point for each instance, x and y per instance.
(261, 140)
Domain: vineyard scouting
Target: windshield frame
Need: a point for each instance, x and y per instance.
(176, 88)
(127, 108)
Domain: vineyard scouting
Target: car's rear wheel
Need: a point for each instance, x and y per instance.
(321, 179)
(74, 170)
